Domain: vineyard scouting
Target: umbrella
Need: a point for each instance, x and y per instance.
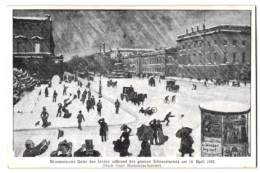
(184, 131)
(144, 133)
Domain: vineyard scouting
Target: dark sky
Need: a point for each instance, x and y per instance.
(81, 32)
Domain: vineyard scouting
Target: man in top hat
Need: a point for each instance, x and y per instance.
(80, 117)
(78, 92)
(44, 117)
(32, 150)
(103, 129)
(87, 150)
(46, 92)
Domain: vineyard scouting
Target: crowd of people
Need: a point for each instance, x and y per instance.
(22, 81)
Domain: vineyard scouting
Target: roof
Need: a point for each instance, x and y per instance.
(216, 29)
(134, 50)
(30, 18)
(225, 107)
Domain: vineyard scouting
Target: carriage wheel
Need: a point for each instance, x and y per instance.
(154, 109)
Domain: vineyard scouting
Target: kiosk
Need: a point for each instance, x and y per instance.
(225, 129)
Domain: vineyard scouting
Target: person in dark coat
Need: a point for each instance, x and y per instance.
(78, 92)
(186, 145)
(59, 110)
(155, 136)
(32, 150)
(89, 104)
(54, 97)
(44, 116)
(80, 117)
(46, 92)
(103, 129)
(99, 107)
(83, 98)
(126, 142)
(167, 118)
(65, 90)
(93, 101)
(145, 149)
(194, 87)
(87, 150)
(89, 93)
(64, 150)
(117, 105)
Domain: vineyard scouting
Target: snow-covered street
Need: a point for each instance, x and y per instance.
(27, 113)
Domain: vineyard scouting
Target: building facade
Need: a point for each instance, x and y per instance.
(33, 47)
(160, 62)
(216, 52)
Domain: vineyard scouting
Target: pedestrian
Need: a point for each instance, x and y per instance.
(83, 98)
(78, 92)
(80, 117)
(194, 87)
(64, 150)
(155, 136)
(186, 145)
(103, 129)
(99, 107)
(93, 101)
(117, 105)
(145, 149)
(89, 93)
(32, 150)
(44, 116)
(166, 99)
(65, 90)
(173, 98)
(54, 97)
(89, 104)
(59, 110)
(87, 150)
(167, 118)
(46, 92)
(205, 83)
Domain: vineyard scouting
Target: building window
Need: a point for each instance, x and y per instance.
(234, 42)
(209, 43)
(183, 46)
(215, 57)
(243, 42)
(243, 57)
(225, 42)
(21, 47)
(234, 57)
(189, 46)
(195, 44)
(215, 42)
(225, 58)
(37, 47)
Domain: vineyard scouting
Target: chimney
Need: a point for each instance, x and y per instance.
(187, 31)
(191, 29)
(198, 28)
(104, 47)
(204, 26)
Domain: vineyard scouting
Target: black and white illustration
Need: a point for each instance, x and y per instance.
(132, 83)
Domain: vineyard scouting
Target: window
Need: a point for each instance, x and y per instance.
(225, 42)
(234, 42)
(209, 43)
(243, 42)
(215, 57)
(195, 44)
(225, 58)
(234, 57)
(215, 42)
(37, 47)
(189, 46)
(200, 44)
(243, 57)
(183, 46)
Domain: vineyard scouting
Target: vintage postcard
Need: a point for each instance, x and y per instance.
(132, 87)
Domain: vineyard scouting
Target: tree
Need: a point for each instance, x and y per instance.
(245, 72)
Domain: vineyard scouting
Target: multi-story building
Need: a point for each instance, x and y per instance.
(33, 47)
(216, 52)
(160, 62)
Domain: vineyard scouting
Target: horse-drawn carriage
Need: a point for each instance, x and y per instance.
(130, 95)
(111, 83)
(235, 83)
(170, 86)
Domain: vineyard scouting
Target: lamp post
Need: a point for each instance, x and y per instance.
(100, 88)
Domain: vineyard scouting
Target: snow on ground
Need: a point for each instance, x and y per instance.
(187, 103)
